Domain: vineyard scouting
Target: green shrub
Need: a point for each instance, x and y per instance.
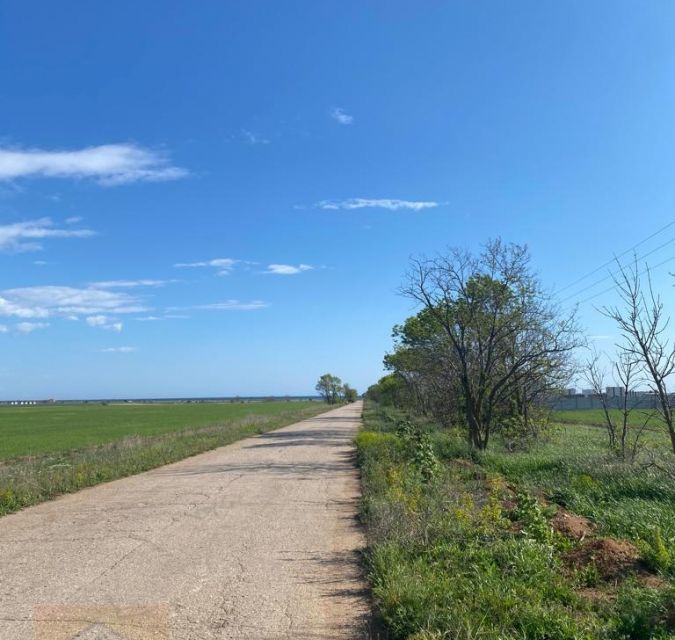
(530, 514)
(656, 553)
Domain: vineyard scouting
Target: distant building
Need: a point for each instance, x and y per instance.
(571, 391)
(614, 392)
(588, 392)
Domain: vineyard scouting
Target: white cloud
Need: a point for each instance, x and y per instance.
(253, 138)
(287, 269)
(118, 350)
(128, 284)
(96, 321)
(110, 164)
(104, 322)
(378, 203)
(19, 310)
(227, 305)
(73, 219)
(4, 328)
(47, 301)
(340, 116)
(224, 265)
(40, 263)
(148, 318)
(24, 236)
(29, 327)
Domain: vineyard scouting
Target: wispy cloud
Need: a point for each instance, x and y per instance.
(341, 116)
(49, 301)
(110, 164)
(224, 265)
(4, 328)
(227, 305)
(287, 269)
(26, 236)
(29, 327)
(253, 138)
(119, 350)
(104, 322)
(392, 204)
(128, 284)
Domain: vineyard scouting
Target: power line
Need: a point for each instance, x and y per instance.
(596, 295)
(602, 266)
(612, 274)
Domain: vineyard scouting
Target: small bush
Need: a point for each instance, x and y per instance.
(656, 553)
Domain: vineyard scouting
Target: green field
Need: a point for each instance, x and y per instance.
(596, 417)
(29, 431)
(51, 450)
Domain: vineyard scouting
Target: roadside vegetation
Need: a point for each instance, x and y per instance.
(49, 451)
(488, 519)
(562, 541)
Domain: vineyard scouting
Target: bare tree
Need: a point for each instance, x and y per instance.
(643, 325)
(595, 374)
(622, 436)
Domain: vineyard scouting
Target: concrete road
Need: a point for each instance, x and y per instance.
(257, 540)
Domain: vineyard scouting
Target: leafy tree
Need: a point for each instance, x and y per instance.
(488, 337)
(329, 386)
(349, 394)
(389, 390)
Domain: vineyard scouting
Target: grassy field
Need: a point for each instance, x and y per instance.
(38, 430)
(596, 417)
(563, 541)
(48, 451)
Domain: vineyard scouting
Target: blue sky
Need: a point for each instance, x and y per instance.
(296, 154)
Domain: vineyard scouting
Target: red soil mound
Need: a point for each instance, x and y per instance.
(572, 526)
(612, 558)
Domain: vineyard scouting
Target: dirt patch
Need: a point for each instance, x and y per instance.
(612, 558)
(572, 526)
(651, 581)
(597, 596)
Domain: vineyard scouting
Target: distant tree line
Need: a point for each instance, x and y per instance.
(333, 390)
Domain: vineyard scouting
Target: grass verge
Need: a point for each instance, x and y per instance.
(27, 481)
(478, 548)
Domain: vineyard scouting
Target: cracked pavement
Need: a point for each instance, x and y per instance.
(257, 540)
